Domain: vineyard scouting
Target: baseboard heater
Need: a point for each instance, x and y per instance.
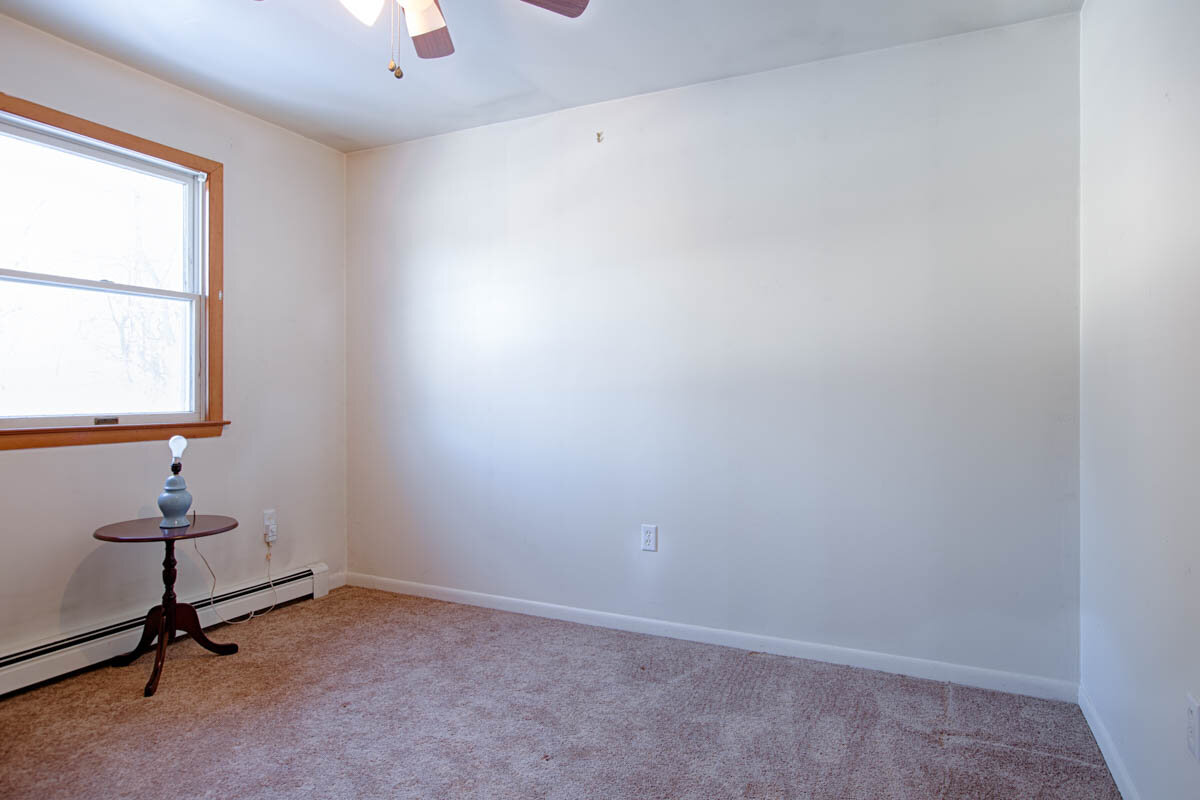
(49, 659)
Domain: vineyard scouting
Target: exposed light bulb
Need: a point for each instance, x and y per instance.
(422, 16)
(177, 444)
(366, 11)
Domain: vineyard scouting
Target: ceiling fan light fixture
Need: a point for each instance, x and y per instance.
(422, 16)
(365, 11)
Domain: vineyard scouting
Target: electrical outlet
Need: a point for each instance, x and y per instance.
(270, 527)
(1193, 725)
(650, 538)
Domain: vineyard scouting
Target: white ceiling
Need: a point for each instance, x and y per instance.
(310, 66)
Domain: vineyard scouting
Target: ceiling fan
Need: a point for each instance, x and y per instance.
(427, 26)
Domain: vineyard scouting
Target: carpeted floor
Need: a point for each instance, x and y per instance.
(370, 695)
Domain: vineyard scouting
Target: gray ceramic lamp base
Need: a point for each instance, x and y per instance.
(174, 503)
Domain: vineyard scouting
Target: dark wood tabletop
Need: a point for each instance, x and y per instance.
(147, 530)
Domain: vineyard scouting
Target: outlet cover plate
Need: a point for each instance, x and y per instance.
(650, 538)
(1193, 726)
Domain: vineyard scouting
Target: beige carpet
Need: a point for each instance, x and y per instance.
(370, 695)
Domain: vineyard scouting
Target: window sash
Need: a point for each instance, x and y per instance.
(199, 325)
(195, 274)
(195, 244)
(71, 142)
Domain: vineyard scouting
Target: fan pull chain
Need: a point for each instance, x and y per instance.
(396, 19)
(393, 26)
(392, 37)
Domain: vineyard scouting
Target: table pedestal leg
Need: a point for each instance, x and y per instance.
(159, 658)
(164, 620)
(166, 631)
(188, 621)
(149, 631)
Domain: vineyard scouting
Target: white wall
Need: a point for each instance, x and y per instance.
(284, 369)
(1140, 441)
(819, 324)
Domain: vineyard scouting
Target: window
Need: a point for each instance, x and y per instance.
(110, 284)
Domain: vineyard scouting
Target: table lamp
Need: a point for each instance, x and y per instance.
(175, 499)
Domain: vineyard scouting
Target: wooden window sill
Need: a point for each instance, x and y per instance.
(23, 438)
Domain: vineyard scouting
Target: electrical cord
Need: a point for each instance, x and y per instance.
(212, 592)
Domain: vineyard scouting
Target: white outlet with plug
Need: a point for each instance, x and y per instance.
(270, 526)
(650, 538)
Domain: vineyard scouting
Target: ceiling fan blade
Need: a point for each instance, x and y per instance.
(430, 35)
(366, 11)
(568, 8)
(435, 44)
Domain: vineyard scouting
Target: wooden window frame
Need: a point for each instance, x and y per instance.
(213, 423)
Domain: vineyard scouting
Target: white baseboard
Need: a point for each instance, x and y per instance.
(28, 671)
(1012, 682)
(1116, 765)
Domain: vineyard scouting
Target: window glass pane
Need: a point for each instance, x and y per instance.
(65, 214)
(67, 351)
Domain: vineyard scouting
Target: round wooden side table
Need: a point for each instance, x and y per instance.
(163, 621)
